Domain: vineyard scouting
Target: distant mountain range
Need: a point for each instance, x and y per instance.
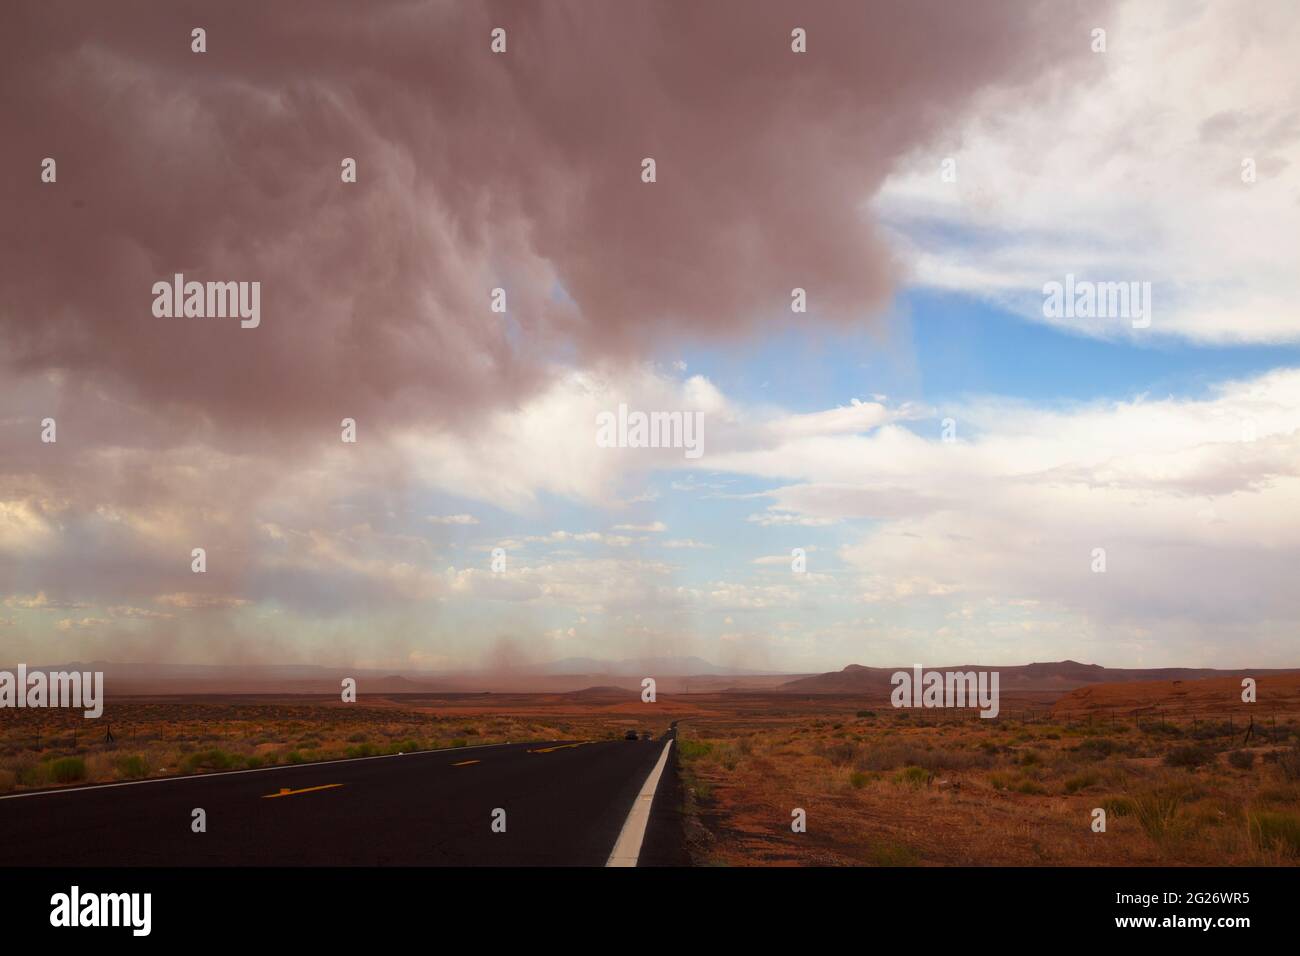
(673, 674)
(682, 674)
(1053, 676)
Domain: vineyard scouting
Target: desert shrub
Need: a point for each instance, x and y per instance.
(840, 753)
(1001, 781)
(866, 713)
(1098, 748)
(1029, 758)
(897, 754)
(1241, 759)
(858, 779)
(1288, 761)
(253, 763)
(33, 774)
(1209, 813)
(913, 777)
(1164, 729)
(362, 750)
(1277, 831)
(1286, 794)
(67, 770)
(1156, 809)
(460, 742)
(693, 749)
(293, 756)
(1206, 730)
(893, 854)
(728, 757)
(470, 732)
(213, 759)
(1082, 781)
(358, 738)
(1190, 756)
(1119, 806)
(1030, 787)
(133, 767)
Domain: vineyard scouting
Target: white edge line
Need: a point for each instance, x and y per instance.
(231, 773)
(627, 848)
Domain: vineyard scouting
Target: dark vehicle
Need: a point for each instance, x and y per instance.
(630, 735)
(645, 735)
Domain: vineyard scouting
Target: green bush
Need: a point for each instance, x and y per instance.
(693, 749)
(859, 779)
(913, 776)
(68, 770)
(133, 767)
(213, 759)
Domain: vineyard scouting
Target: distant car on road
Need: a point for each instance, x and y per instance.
(645, 735)
(630, 735)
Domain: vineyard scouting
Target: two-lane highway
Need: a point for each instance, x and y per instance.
(564, 803)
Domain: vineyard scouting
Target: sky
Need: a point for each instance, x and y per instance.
(925, 465)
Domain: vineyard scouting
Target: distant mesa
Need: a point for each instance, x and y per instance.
(603, 690)
(1055, 677)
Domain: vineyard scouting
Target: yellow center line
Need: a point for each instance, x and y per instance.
(286, 792)
(464, 763)
(546, 750)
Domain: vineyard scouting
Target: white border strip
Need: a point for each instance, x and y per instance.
(627, 849)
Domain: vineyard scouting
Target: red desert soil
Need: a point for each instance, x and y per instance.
(1278, 693)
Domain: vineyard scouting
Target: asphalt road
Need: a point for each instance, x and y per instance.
(565, 803)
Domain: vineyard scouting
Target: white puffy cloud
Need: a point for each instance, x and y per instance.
(1134, 175)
